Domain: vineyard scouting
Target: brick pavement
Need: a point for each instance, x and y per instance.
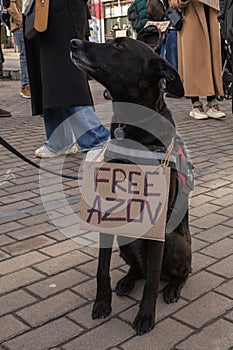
(48, 271)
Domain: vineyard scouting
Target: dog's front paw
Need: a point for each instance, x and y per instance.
(171, 294)
(143, 323)
(125, 286)
(101, 309)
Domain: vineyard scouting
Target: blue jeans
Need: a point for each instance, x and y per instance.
(169, 51)
(171, 48)
(19, 40)
(66, 125)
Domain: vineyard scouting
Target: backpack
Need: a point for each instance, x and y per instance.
(228, 21)
(152, 36)
(132, 16)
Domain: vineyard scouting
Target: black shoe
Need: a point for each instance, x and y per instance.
(168, 94)
(4, 114)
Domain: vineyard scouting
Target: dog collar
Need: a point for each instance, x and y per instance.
(138, 154)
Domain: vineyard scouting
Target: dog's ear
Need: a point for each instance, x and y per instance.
(173, 82)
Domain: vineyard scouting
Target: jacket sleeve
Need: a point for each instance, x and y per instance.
(15, 14)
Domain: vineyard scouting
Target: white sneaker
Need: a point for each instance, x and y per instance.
(213, 111)
(44, 152)
(198, 112)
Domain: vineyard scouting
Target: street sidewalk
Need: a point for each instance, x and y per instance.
(48, 270)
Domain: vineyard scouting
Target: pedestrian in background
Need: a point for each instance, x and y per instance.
(3, 112)
(16, 27)
(225, 18)
(199, 57)
(59, 90)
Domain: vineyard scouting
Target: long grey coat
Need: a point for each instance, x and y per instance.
(54, 79)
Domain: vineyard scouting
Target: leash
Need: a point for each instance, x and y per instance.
(11, 149)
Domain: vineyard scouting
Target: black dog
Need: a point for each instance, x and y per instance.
(132, 73)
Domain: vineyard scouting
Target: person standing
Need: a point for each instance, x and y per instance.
(199, 57)
(3, 112)
(60, 91)
(225, 18)
(16, 27)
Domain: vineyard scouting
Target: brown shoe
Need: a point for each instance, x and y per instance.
(4, 114)
(25, 91)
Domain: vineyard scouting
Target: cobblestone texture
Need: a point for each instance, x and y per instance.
(48, 280)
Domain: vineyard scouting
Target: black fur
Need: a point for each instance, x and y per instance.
(132, 73)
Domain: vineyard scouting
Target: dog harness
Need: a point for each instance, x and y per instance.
(178, 159)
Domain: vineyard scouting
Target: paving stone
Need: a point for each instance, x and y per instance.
(60, 248)
(229, 223)
(17, 207)
(88, 288)
(159, 338)
(19, 279)
(200, 200)
(200, 261)
(215, 233)
(83, 315)
(224, 201)
(223, 267)
(20, 262)
(55, 284)
(197, 244)
(204, 309)
(218, 336)
(204, 209)
(31, 231)
(212, 155)
(10, 327)
(229, 316)
(28, 245)
(227, 211)
(9, 227)
(35, 219)
(14, 301)
(45, 337)
(216, 183)
(220, 192)
(63, 262)
(49, 309)
(209, 221)
(99, 337)
(220, 249)
(199, 284)
(4, 240)
(3, 255)
(226, 289)
(162, 309)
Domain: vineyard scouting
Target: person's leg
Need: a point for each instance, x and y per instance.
(232, 72)
(87, 128)
(197, 111)
(19, 40)
(65, 125)
(213, 110)
(58, 129)
(171, 48)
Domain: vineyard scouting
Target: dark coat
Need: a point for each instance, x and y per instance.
(54, 80)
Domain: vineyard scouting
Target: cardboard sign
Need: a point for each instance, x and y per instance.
(160, 25)
(212, 3)
(125, 199)
(120, 33)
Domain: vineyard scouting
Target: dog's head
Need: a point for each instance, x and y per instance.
(128, 68)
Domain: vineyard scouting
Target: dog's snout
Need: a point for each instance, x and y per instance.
(75, 43)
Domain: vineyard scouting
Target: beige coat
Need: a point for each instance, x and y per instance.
(15, 12)
(199, 52)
